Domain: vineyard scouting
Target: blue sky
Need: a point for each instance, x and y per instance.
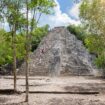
(65, 5)
(66, 12)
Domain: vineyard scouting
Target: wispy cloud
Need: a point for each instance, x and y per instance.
(58, 19)
(74, 11)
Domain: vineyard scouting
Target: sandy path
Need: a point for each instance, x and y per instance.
(54, 85)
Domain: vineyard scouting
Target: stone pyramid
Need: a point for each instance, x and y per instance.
(59, 53)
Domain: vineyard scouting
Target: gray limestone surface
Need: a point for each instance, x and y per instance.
(60, 53)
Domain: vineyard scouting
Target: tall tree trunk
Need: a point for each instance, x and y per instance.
(14, 57)
(27, 55)
(27, 73)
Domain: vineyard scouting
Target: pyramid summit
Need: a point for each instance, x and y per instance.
(59, 53)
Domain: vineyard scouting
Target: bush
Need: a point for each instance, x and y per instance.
(6, 52)
(100, 61)
(77, 31)
(38, 35)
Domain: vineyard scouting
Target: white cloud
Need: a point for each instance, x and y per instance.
(74, 11)
(4, 25)
(58, 19)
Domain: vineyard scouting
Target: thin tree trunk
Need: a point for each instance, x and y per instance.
(14, 57)
(27, 56)
(27, 74)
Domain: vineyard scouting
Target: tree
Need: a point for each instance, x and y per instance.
(42, 6)
(92, 16)
(37, 35)
(19, 20)
(37, 9)
(27, 50)
(10, 10)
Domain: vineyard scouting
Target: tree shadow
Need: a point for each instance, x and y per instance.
(9, 92)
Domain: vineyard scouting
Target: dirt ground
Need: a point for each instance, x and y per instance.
(73, 90)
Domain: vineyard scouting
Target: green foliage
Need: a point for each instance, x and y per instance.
(100, 61)
(94, 44)
(6, 50)
(92, 16)
(43, 6)
(20, 46)
(38, 34)
(11, 12)
(78, 31)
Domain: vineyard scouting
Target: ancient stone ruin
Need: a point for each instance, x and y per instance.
(60, 53)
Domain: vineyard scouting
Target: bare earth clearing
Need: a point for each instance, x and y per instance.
(73, 90)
